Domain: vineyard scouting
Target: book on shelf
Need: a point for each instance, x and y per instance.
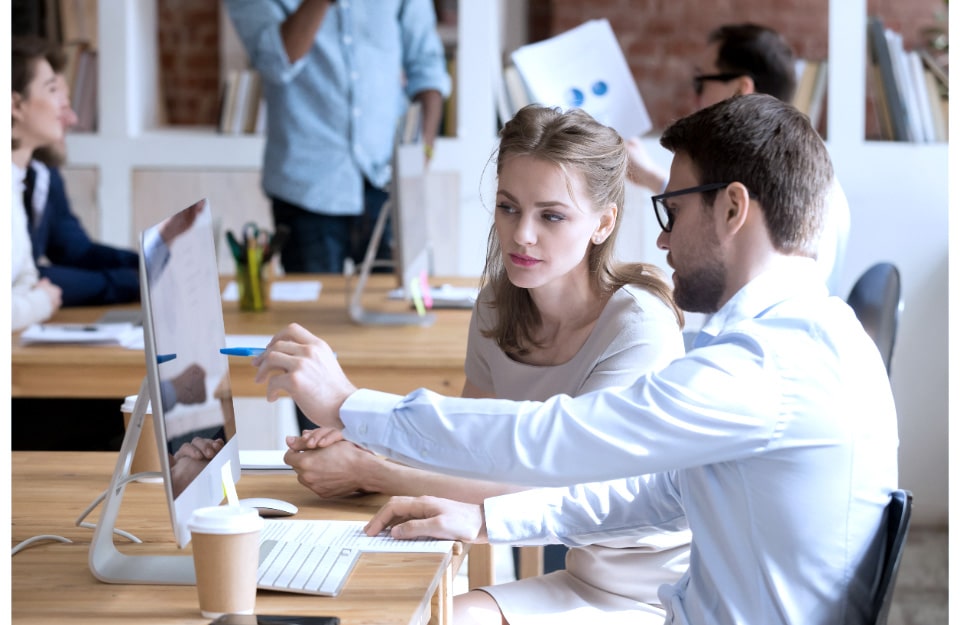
(938, 106)
(880, 55)
(811, 89)
(515, 94)
(909, 88)
(78, 21)
(241, 103)
(448, 126)
(83, 95)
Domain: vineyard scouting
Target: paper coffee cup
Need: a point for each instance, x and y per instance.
(226, 554)
(145, 457)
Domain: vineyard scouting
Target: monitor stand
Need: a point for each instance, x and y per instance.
(355, 306)
(107, 563)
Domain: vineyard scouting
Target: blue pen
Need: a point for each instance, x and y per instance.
(165, 357)
(242, 351)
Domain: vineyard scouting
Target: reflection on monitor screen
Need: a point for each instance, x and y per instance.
(188, 377)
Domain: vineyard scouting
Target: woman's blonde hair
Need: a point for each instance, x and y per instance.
(575, 142)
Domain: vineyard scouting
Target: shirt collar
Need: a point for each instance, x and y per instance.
(793, 276)
(17, 174)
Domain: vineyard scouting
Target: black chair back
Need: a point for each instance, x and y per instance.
(897, 524)
(877, 301)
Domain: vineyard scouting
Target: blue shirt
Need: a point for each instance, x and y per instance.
(332, 115)
(775, 438)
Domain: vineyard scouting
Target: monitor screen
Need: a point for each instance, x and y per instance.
(188, 377)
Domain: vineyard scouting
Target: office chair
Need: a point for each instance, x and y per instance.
(877, 302)
(897, 524)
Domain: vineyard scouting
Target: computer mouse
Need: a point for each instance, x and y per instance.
(267, 506)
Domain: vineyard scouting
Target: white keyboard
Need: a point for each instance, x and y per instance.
(304, 568)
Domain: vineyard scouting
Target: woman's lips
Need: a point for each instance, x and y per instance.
(523, 261)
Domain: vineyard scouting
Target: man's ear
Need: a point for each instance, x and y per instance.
(745, 85)
(735, 207)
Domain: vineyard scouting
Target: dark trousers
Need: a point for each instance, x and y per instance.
(319, 243)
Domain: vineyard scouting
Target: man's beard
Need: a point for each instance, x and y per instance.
(699, 291)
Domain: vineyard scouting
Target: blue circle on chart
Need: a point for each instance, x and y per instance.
(600, 88)
(575, 97)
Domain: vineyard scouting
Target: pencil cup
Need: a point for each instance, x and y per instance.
(253, 287)
(226, 553)
(145, 457)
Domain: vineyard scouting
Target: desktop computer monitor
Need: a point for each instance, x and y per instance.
(187, 376)
(188, 385)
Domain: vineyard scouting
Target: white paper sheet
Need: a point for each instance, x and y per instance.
(298, 291)
(585, 68)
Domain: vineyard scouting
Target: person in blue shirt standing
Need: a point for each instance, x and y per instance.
(336, 77)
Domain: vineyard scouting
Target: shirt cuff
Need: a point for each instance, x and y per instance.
(517, 518)
(366, 416)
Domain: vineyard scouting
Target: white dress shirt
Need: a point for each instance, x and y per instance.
(775, 436)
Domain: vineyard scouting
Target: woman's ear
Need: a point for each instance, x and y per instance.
(15, 99)
(608, 220)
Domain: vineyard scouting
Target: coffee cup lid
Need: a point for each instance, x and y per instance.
(130, 402)
(225, 520)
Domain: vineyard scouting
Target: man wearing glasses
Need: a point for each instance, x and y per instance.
(740, 59)
(774, 438)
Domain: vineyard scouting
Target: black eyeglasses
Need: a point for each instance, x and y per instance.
(702, 78)
(666, 215)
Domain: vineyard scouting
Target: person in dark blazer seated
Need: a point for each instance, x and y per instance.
(88, 273)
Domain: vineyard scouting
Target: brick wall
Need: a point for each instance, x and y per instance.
(660, 38)
(188, 46)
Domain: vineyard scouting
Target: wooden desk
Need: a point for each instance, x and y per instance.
(388, 358)
(51, 582)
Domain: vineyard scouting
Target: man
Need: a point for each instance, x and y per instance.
(88, 273)
(740, 59)
(774, 437)
(336, 77)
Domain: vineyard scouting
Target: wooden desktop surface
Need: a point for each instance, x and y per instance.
(396, 359)
(52, 583)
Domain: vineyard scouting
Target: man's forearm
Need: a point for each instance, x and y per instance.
(432, 110)
(300, 29)
(380, 475)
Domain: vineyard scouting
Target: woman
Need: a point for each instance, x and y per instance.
(555, 315)
(38, 99)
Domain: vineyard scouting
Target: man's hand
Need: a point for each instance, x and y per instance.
(433, 517)
(190, 385)
(317, 438)
(642, 170)
(304, 367)
(190, 459)
(174, 226)
(333, 471)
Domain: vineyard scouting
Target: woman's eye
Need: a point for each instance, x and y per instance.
(506, 208)
(553, 217)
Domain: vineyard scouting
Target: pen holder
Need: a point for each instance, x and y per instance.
(253, 287)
